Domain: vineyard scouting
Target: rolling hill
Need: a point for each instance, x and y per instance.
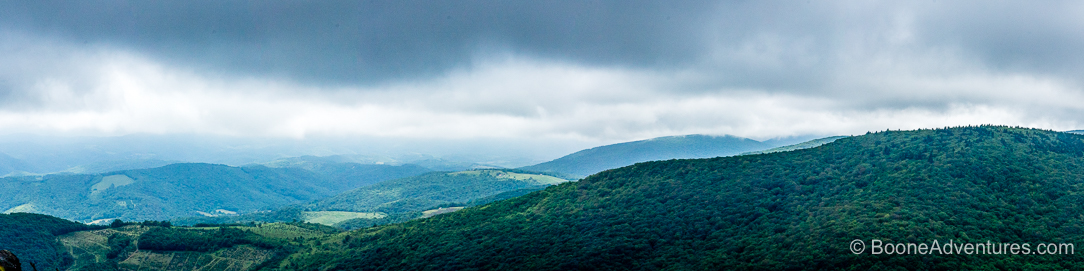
(594, 160)
(181, 190)
(406, 198)
(432, 189)
(799, 210)
(1076, 132)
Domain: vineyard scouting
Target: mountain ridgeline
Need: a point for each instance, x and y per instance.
(787, 210)
(594, 160)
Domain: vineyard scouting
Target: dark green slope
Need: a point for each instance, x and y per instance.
(594, 160)
(32, 237)
(788, 210)
(184, 190)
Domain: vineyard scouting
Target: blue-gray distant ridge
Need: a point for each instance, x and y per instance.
(804, 145)
(590, 161)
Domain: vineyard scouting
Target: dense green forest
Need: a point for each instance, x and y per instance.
(32, 237)
(590, 161)
(184, 190)
(787, 210)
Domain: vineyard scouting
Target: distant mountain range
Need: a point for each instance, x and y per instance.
(180, 190)
(1076, 132)
(594, 160)
(146, 188)
(29, 154)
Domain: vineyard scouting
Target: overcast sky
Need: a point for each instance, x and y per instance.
(587, 71)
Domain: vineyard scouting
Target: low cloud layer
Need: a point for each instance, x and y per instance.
(593, 71)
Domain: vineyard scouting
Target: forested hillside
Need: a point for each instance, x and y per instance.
(184, 190)
(594, 160)
(33, 238)
(787, 210)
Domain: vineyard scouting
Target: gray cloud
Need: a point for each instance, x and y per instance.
(364, 41)
(1015, 36)
(586, 70)
(781, 45)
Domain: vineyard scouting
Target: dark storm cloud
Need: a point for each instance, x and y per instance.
(360, 41)
(1018, 36)
(764, 44)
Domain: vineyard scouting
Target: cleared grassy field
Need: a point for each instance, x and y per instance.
(331, 217)
(433, 212)
(110, 181)
(500, 174)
